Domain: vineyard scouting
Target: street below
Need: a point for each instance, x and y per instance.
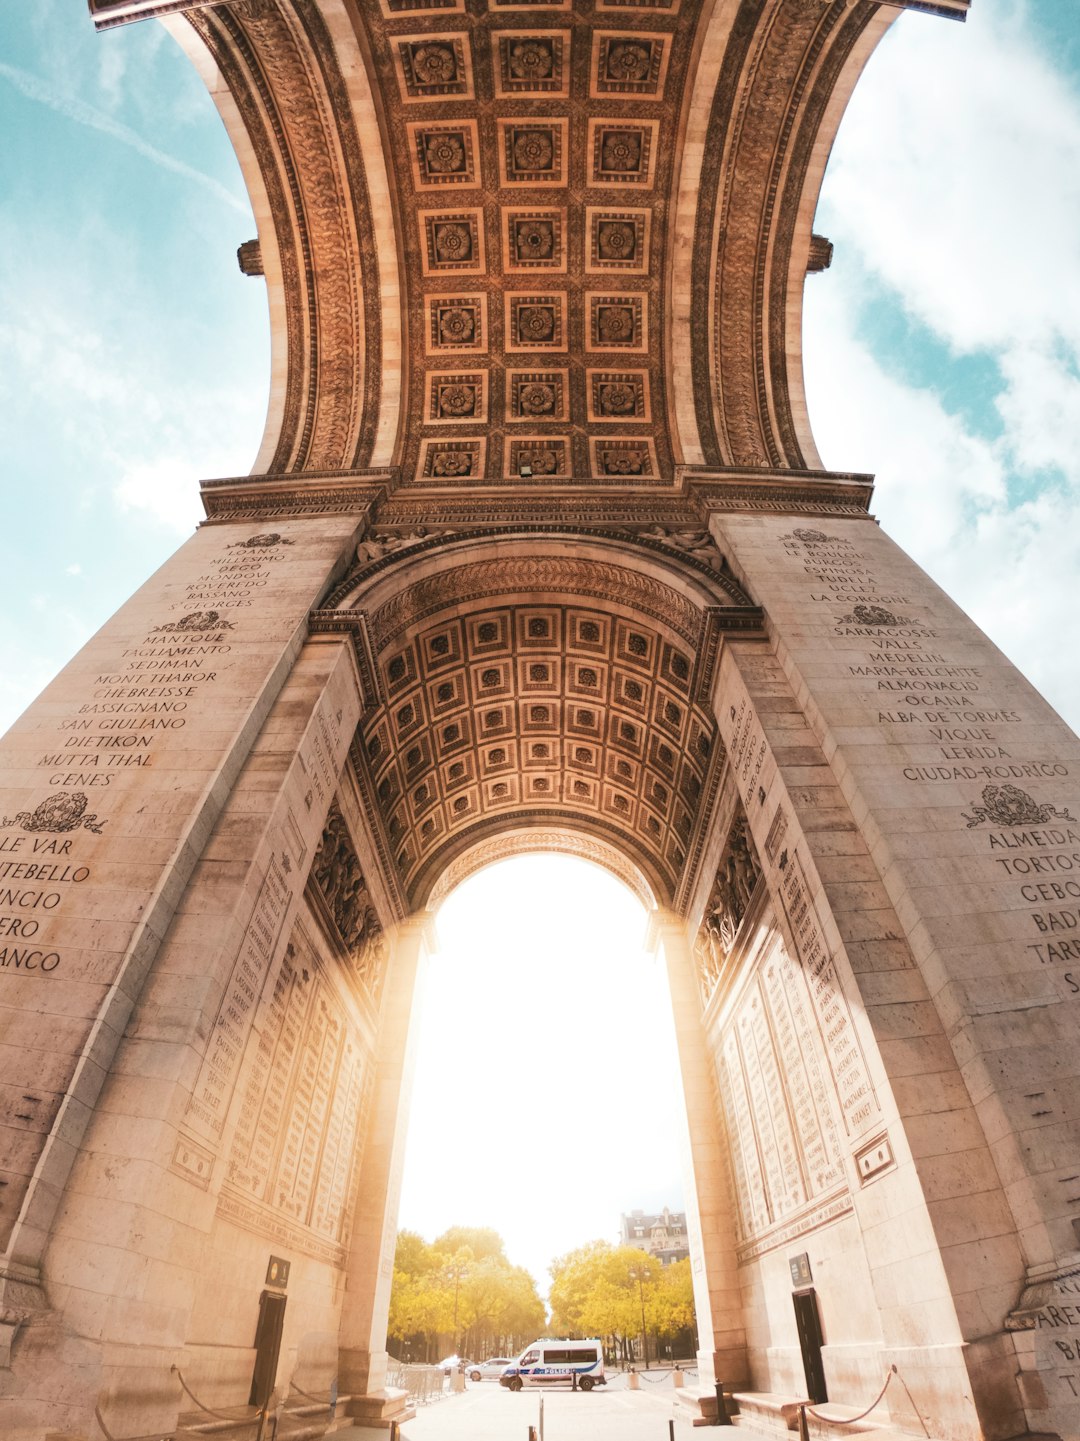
(485, 1411)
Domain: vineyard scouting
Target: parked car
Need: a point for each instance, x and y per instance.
(454, 1363)
(491, 1369)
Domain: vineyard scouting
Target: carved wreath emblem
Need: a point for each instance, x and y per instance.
(1010, 806)
(196, 620)
(260, 542)
(873, 615)
(65, 811)
(812, 537)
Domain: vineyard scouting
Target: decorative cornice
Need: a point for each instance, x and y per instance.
(799, 492)
(947, 9)
(287, 497)
(354, 624)
(106, 14)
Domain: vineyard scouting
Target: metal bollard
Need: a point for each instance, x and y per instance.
(722, 1416)
(678, 1380)
(395, 1431)
(671, 1430)
(635, 1380)
(532, 1433)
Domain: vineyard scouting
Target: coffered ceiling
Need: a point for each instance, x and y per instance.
(532, 245)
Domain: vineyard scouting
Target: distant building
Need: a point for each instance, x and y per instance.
(662, 1235)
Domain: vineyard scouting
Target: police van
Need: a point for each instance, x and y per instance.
(545, 1363)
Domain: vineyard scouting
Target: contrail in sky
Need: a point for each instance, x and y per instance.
(36, 89)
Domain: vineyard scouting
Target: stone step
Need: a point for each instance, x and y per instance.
(778, 1415)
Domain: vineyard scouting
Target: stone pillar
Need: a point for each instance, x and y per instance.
(964, 786)
(373, 1238)
(113, 784)
(717, 1299)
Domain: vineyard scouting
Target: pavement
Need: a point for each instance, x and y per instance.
(485, 1411)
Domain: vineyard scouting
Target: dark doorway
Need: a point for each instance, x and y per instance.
(808, 1323)
(267, 1347)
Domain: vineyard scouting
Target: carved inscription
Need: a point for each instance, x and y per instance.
(135, 703)
(858, 1103)
(1051, 1309)
(299, 1124)
(780, 1117)
(209, 1104)
(953, 732)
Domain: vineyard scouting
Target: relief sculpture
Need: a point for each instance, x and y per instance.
(736, 877)
(337, 873)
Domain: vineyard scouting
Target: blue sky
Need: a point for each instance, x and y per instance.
(134, 356)
(942, 348)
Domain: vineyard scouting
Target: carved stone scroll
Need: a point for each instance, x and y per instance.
(736, 878)
(338, 876)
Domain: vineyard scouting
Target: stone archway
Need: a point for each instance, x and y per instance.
(535, 540)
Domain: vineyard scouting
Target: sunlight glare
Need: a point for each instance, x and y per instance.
(546, 1091)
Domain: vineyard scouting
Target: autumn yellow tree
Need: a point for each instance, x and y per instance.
(606, 1291)
(460, 1293)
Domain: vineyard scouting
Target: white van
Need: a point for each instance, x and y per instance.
(546, 1362)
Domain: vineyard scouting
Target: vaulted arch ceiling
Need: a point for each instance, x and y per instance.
(539, 680)
(542, 244)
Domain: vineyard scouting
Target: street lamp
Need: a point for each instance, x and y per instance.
(641, 1274)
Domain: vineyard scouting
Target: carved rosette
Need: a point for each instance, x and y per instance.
(736, 879)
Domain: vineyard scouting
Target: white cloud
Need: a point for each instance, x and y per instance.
(958, 179)
(165, 488)
(955, 186)
(932, 475)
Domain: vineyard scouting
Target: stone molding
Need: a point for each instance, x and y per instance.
(285, 497)
(687, 544)
(541, 840)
